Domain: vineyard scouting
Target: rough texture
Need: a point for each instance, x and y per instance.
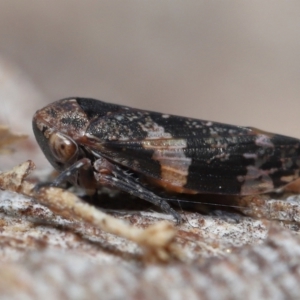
(267, 271)
(45, 256)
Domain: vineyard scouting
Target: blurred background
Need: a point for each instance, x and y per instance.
(230, 61)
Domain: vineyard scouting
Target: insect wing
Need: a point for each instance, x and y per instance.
(190, 155)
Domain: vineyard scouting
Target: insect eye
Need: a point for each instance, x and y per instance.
(62, 148)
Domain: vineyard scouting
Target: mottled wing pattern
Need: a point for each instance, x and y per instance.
(190, 155)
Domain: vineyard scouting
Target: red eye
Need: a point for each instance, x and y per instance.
(63, 148)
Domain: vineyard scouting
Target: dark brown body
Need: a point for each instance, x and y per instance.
(96, 143)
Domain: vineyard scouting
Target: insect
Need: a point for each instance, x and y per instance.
(94, 143)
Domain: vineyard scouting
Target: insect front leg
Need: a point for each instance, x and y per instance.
(111, 175)
(80, 173)
(82, 165)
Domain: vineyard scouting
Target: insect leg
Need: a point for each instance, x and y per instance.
(68, 174)
(81, 164)
(111, 175)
